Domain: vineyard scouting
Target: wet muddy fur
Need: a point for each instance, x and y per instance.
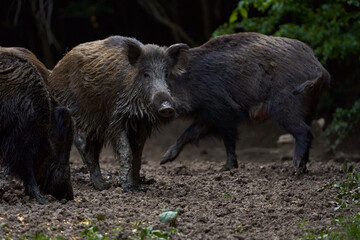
(117, 91)
(29, 121)
(248, 76)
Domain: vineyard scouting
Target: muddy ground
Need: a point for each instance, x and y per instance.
(262, 199)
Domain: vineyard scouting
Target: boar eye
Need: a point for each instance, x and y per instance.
(166, 74)
(146, 75)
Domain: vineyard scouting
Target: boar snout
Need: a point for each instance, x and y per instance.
(62, 191)
(163, 105)
(166, 110)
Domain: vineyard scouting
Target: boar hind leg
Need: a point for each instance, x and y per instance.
(190, 135)
(89, 150)
(229, 137)
(20, 160)
(28, 177)
(302, 146)
(296, 126)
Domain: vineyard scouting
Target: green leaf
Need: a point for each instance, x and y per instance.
(146, 231)
(161, 234)
(169, 217)
(2, 225)
(233, 17)
(243, 12)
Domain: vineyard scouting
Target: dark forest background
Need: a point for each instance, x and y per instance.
(50, 28)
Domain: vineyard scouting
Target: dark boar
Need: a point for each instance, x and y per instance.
(244, 76)
(117, 91)
(35, 133)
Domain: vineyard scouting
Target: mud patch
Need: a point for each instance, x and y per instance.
(262, 199)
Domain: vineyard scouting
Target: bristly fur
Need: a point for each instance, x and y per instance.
(24, 104)
(237, 77)
(97, 82)
(117, 91)
(26, 123)
(132, 110)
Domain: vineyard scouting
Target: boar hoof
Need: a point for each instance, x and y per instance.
(299, 171)
(101, 185)
(41, 200)
(299, 165)
(170, 154)
(34, 192)
(228, 166)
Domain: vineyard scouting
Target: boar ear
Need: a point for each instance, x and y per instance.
(133, 51)
(177, 53)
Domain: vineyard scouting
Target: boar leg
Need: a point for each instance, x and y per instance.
(123, 153)
(229, 136)
(192, 134)
(296, 126)
(31, 187)
(28, 177)
(128, 150)
(23, 160)
(302, 145)
(90, 152)
(137, 142)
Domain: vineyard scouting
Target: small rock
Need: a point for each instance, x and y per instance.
(321, 122)
(285, 139)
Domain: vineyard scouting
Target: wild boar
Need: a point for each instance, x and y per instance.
(36, 133)
(248, 76)
(117, 91)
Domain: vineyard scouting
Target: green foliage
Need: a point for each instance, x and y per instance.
(169, 217)
(331, 27)
(139, 230)
(145, 233)
(226, 196)
(348, 192)
(39, 236)
(3, 225)
(347, 196)
(344, 122)
(341, 229)
(91, 233)
(241, 228)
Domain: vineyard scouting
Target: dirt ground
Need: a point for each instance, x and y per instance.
(262, 199)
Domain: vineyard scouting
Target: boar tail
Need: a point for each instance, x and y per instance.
(318, 83)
